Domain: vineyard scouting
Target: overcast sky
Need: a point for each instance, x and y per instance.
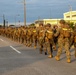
(35, 9)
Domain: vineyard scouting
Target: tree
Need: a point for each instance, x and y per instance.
(71, 24)
(32, 24)
(0, 25)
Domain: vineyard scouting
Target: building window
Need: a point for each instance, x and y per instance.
(73, 15)
(67, 16)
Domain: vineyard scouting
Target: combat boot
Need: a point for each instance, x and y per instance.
(75, 53)
(68, 61)
(50, 56)
(35, 47)
(28, 45)
(45, 53)
(41, 51)
(57, 58)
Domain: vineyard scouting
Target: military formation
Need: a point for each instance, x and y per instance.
(45, 37)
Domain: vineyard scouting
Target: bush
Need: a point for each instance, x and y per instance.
(71, 25)
(0, 25)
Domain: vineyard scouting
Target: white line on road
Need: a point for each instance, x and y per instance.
(11, 47)
(1, 40)
(15, 50)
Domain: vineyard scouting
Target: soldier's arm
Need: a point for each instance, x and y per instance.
(71, 37)
(57, 33)
(44, 33)
(37, 33)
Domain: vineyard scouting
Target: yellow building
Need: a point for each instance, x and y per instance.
(70, 16)
(46, 21)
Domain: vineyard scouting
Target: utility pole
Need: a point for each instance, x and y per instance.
(3, 20)
(38, 19)
(3, 16)
(24, 4)
(70, 10)
(24, 12)
(50, 14)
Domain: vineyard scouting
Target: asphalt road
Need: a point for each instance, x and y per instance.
(17, 59)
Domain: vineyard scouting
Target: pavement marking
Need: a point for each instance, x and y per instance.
(15, 50)
(11, 47)
(1, 39)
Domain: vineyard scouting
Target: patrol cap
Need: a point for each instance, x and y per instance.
(34, 26)
(48, 24)
(55, 26)
(62, 21)
(41, 24)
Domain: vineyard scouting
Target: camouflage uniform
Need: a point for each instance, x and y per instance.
(29, 37)
(55, 27)
(64, 41)
(11, 34)
(15, 35)
(75, 39)
(41, 36)
(22, 35)
(35, 33)
(18, 34)
(49, 42)
(25, 35)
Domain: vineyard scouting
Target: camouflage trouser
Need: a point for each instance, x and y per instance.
(25, 40)
(29, 41)
(40, 41)
(35, 41)
(63, 43)
(15, 38)
(21, 39)
(48, 47)
(75, 48)
(12, 37)
(18, 38)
